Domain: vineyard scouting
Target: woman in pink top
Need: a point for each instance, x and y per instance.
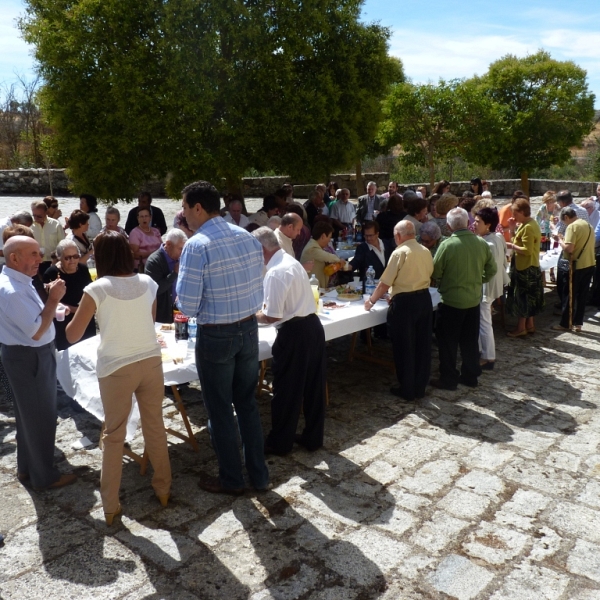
(143, 240)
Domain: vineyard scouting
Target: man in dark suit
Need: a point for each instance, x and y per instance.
(372, 252)
(157, 218)
(368, 204)
(163, 266)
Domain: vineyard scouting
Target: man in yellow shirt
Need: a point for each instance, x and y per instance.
(410, 315)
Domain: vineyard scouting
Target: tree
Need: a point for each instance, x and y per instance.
(545, 107)
(436, 123)
(208, 90)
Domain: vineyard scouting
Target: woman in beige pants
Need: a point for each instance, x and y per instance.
(129, 362)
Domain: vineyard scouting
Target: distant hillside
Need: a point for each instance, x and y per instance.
(590, 142)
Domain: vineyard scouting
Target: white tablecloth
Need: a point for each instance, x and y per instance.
(549, 260)
(76, 366)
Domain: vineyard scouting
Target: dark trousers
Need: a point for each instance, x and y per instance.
(299, 378)
(409, 319)
(32, 376)
(458, 327)
(595, 295)
(581, 285)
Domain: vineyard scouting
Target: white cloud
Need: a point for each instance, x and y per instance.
(15, 54)
(454, 58)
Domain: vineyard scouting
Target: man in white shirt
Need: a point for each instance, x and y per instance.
(299, 359)
(288, 231)
(47, 232)
(343, 210)
(235, 215)
(592, 211)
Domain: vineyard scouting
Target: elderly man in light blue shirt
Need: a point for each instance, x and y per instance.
(220, 283)
(28, 355)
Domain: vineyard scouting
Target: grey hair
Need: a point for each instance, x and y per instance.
(404, 229)
(274, 222)
(568, 211)
(236, 202)
(63, 245)
(371, 183)
(431, 229)
(457, 218)
(113, 210)
(486, 194)
(22, 218)
(175, 235)
(268, 240)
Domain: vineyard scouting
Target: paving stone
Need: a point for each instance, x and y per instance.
(480, 482)
(412, 452)
(300, 580)
(368, 449)
(496, 545)
(432, 477)
(530, 581)
(543, 478)
(487, 456)
(463, 504)
(405, 499)
(394, 519)
(584, 559)
(575, 520)
(438, 532)
(166, 549)
(459, 577)
(383, 472)
(385, 551)
(546, 543)
(563, 460)
(591, 494)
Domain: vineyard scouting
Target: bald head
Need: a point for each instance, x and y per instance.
(404, 230)
(22, 254)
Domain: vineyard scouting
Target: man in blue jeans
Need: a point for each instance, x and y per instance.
(220, 283)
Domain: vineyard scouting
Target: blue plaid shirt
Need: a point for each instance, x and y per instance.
(220, 274)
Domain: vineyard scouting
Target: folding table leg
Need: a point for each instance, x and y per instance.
(190, 439)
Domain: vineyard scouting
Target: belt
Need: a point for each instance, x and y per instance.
(226, 324)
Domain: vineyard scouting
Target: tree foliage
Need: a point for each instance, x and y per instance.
(434, 123)
(207, 89)
(545, 109)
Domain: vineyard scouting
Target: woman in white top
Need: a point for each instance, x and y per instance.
(485, 223)
(129, 361)
(88, 204)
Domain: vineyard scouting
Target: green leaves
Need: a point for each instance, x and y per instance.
(207, 89)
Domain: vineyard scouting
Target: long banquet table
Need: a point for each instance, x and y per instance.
(76, 366)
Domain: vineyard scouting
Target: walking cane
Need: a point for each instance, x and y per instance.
(571, 293)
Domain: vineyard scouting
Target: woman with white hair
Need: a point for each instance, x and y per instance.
(76, 276)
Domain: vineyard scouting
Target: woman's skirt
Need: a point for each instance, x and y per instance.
(526, 293)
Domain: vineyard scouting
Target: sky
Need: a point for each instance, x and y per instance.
(440, 39)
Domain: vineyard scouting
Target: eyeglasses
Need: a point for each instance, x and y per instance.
(72, 257)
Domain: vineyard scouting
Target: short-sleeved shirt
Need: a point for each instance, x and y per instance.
(409, 268)
(581, 234)
(147, 242)
(287, 290)
(345, 212)
(20, 311)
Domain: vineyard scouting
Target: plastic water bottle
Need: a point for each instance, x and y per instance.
(192, 329)
(314, 286)
(370, 282)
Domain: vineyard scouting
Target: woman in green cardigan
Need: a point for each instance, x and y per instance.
(526, 298)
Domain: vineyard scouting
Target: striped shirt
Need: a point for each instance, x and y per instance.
(579, 211)
(220, 274)
(20, 311)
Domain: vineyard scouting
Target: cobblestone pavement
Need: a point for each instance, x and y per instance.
(491, 492)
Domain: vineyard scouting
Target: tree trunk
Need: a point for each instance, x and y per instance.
(525, 182)
(431, 172)
(359, 179)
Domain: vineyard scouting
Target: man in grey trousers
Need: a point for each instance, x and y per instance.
(27, 347)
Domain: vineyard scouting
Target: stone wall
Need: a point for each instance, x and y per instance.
(35, 182)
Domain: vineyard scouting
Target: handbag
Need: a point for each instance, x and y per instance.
(565, 265)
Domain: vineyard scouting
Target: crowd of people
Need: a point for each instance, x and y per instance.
(232, 271)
